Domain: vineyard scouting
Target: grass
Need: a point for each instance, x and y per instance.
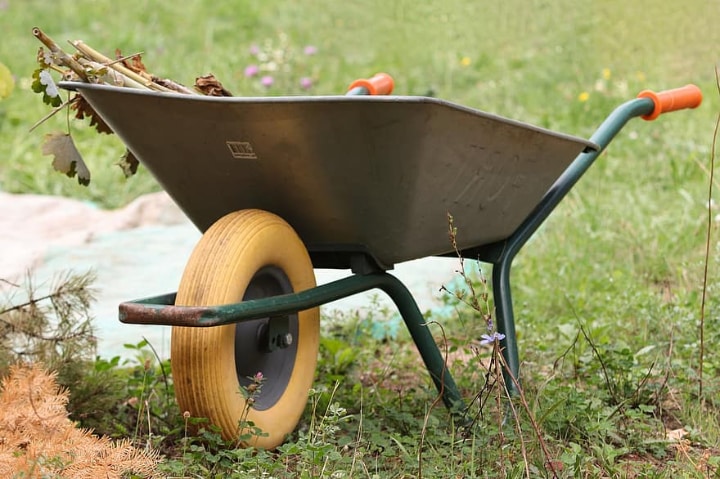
(606, 294)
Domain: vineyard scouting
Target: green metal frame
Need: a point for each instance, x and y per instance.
(502, 254)
(161, 310)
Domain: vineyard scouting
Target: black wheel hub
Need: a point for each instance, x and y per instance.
(268, 345)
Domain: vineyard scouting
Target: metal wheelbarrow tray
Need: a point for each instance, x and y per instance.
(366, 182)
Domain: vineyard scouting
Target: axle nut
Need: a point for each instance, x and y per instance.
(285, 340)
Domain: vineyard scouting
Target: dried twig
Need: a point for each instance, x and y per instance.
(53, 112)
(60, 55)
(174, 86)
(112, 76)
(138, 79)
(707, 246)
(551, 463)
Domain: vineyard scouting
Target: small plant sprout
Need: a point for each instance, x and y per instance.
(479, 302)
(247, 430)
(494, 385)
(253, 389)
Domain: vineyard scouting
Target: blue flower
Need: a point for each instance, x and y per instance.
(490, 338)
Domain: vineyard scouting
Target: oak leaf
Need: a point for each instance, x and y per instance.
(44, 58)
(67, 158)
(133, 63)
(83, 109)
(44, 83)
(128, 163)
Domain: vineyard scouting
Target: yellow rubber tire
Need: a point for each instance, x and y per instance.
(203, 360)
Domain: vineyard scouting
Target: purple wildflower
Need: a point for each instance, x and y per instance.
(267, 81)
(251, 70)
(306, 83)
(490, 338)
(310, 50)
(254, 50)
(489, 322)
(258, 378)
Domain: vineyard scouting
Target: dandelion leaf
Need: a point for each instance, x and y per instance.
(67, 158)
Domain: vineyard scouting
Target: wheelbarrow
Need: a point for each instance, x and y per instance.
(282, 185)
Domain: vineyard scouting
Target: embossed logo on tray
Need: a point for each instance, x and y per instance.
(242, 150)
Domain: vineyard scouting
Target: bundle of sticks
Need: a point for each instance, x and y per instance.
(90, 66)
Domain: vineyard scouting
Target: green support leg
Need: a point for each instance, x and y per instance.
(420, 332)
(502, 254)
(505, 320)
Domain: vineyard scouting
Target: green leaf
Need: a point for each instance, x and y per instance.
(44, 83)
(128, 163)
(645, 350)
(7, 82)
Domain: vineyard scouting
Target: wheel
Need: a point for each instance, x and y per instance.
(248, 254)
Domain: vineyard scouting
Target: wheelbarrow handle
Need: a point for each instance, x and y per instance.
(688, 96)
(379, 84)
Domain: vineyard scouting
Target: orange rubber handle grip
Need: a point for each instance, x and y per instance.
(688, 96)
(379, 84)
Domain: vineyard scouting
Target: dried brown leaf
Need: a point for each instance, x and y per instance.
(44, 58)
(83, 109)
(133, 63)
(209, 85)
(67, 158)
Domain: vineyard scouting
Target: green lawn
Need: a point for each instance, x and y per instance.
(608, 292)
